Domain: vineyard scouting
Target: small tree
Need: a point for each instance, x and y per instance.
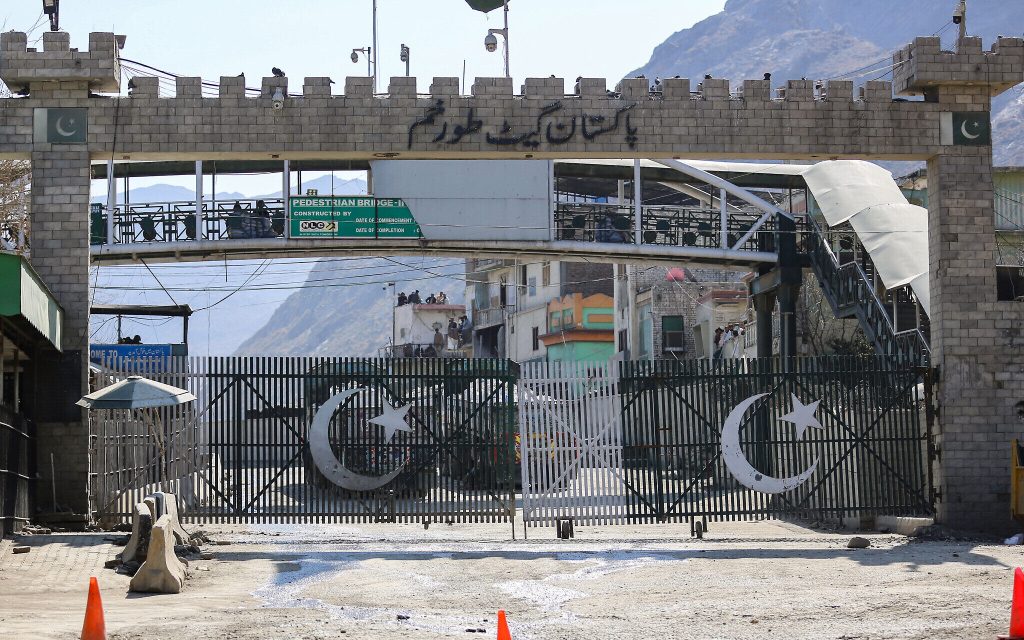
(15, 177)
(14, 195)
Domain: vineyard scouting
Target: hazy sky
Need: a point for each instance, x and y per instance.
(568, 38)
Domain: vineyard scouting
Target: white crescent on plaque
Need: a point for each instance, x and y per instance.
(963, 130)
(59, 126)
(802, 416)
(323, 456)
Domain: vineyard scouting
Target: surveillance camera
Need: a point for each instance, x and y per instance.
(277, 102)
(491, 43)
(959, 12)
(355, 57)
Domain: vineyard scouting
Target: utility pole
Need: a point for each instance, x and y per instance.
(960, 18)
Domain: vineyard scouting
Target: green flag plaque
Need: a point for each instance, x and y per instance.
(351, 217)
(68, 125)
(967, 128)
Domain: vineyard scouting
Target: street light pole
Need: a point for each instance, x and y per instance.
(374, 46)
(507, 73)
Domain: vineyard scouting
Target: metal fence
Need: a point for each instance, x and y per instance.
(17, 469)
(137, 452)
(289, 439)
(686, 440)
(176, 221)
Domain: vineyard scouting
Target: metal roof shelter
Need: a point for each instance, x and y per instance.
(182, 311)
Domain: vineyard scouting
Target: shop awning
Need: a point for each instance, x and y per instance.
(26, 301)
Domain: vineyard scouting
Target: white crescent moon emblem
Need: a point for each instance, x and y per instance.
(747, 475)
(61, 130)
(327, 462)
(963, 130)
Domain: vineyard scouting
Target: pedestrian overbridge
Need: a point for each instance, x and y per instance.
(494, 209)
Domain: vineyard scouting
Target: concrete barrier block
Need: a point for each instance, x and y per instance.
(167, 504)
(142, 526)
(902, 525)
(162, 572)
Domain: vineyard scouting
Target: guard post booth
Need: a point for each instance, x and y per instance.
(30, 331)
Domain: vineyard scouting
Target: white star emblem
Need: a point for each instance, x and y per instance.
(802, 416)
(393, 420)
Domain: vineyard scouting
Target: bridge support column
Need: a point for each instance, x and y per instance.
(200, 227)
(764, 307)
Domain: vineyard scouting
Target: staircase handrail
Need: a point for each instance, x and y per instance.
(913, 335)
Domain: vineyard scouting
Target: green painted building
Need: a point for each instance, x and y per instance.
(580, 329)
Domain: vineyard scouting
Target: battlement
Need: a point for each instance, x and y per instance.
(20, 66)
(674, 90)
(922, 65)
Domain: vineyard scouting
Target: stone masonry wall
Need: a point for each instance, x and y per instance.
(809, 122)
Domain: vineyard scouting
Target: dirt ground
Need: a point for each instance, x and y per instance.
(743, 581)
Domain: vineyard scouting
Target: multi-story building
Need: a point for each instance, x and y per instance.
(508, 302)
(662, 303)
(580, 328)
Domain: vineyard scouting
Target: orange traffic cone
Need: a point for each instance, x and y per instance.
(94, 628)
(1016, 608)
(503, 633)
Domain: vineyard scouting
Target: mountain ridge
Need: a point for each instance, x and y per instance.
(825, 39)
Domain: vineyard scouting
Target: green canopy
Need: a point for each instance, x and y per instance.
(486, 5)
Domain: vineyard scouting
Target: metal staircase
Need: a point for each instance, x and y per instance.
(849, 283)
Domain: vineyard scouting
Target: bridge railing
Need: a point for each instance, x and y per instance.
(176, 221)
(661, 225)
(156, 222)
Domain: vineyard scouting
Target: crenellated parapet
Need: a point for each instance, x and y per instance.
(21, 66)
(674, 90)
(491, 117)
(922, 66)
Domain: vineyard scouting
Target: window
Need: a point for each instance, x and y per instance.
(545, 274)
(556, 321)
(531, 287)
(536, 338)
(1010, 283)
(672, 337)
(567, 320)
(623, 340)
(522, 276)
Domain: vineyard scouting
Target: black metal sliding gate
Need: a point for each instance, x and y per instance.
(289, 439)
(17, 469)
(733, 439)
